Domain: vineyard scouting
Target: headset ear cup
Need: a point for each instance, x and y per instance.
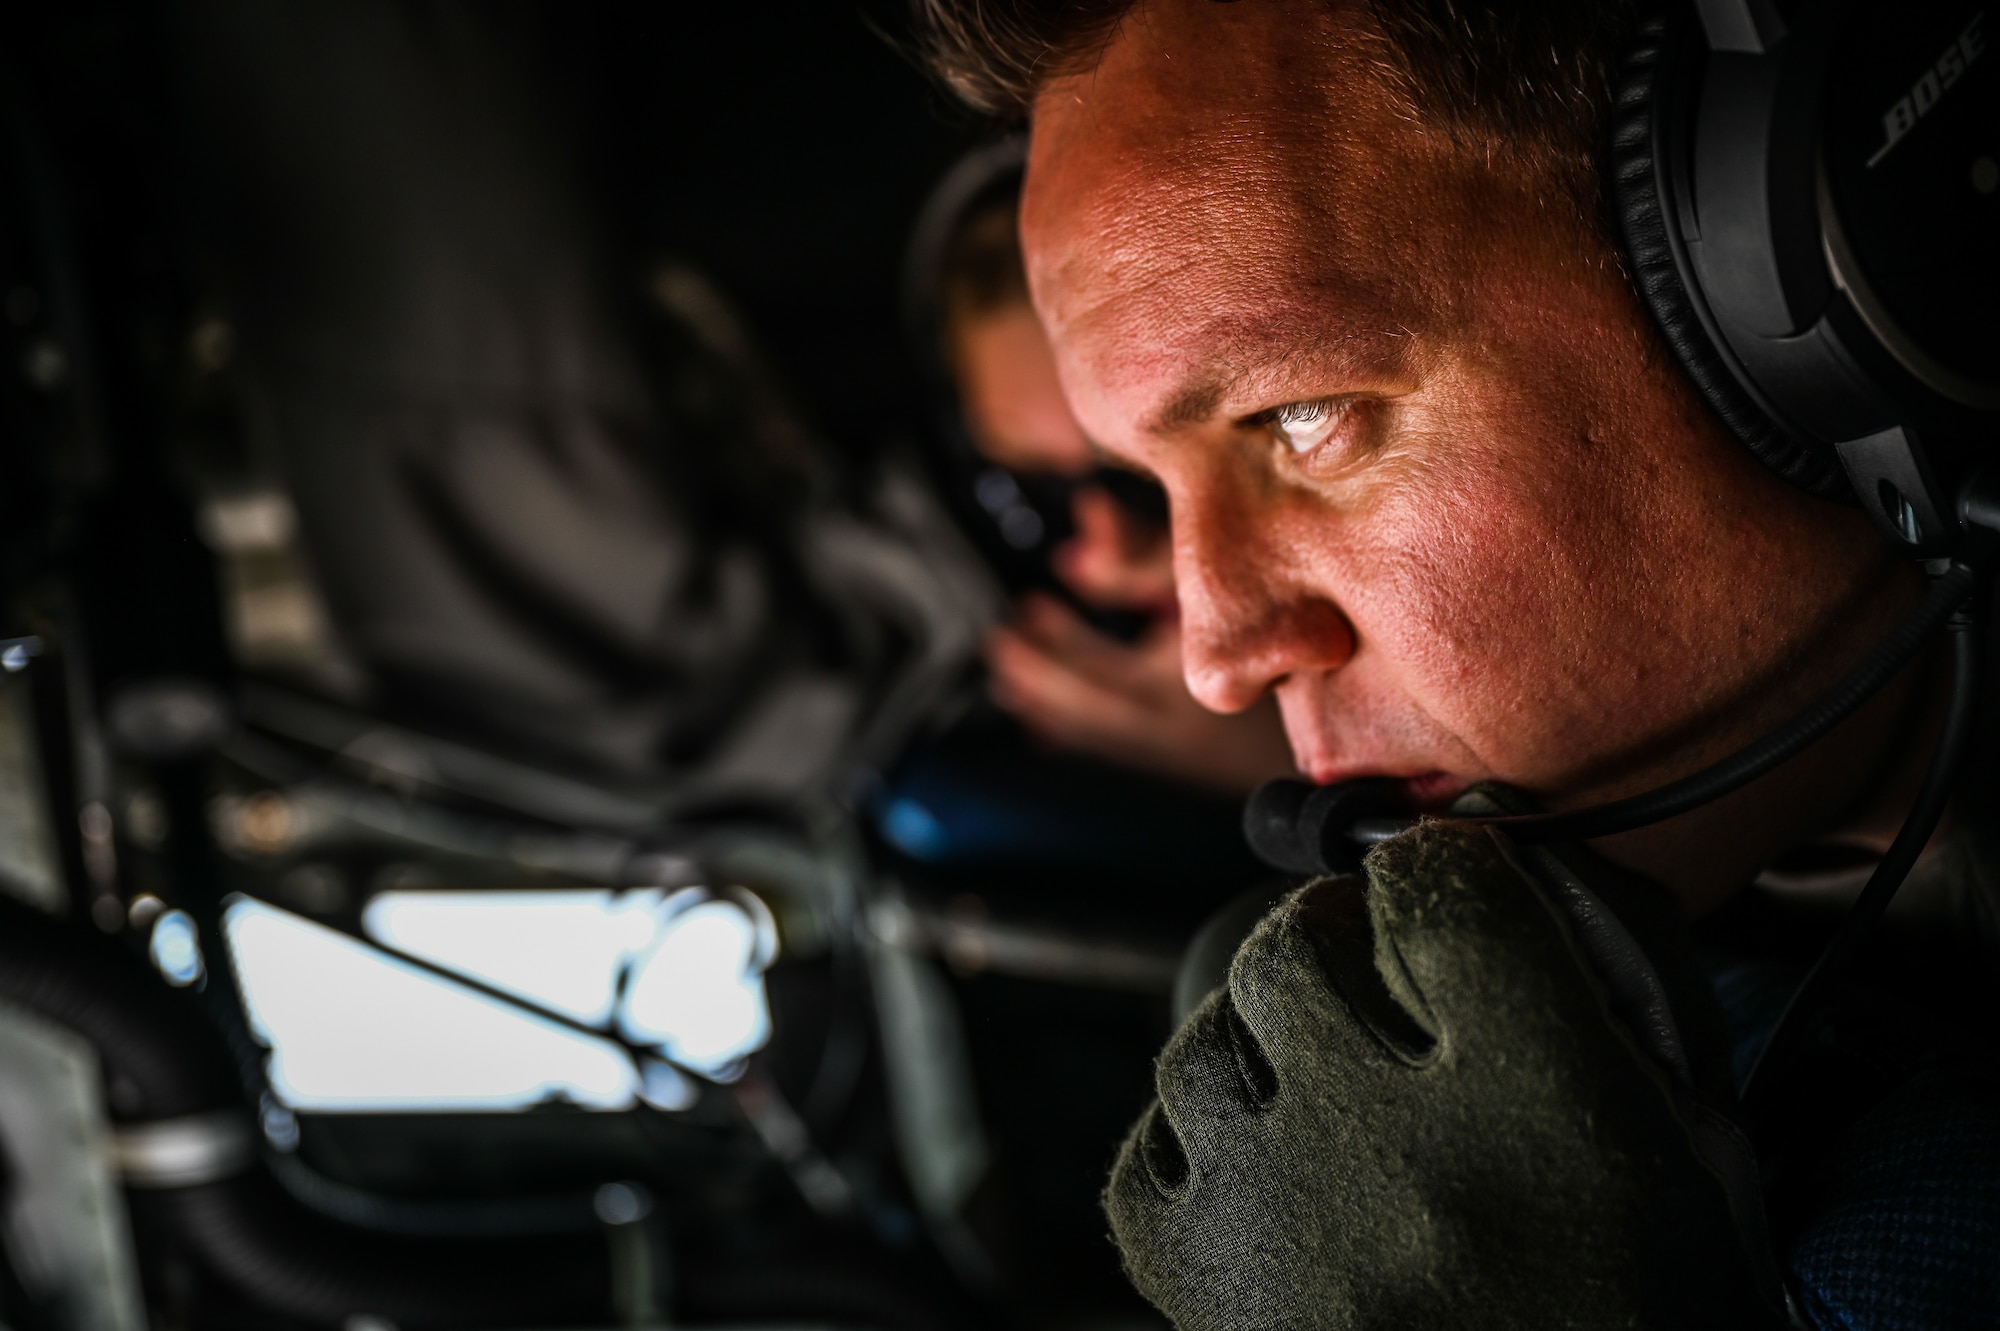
(1632, 171)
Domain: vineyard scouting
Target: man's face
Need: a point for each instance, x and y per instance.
(1432, 478)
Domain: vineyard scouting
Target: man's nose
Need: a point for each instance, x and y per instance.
(1247, 619)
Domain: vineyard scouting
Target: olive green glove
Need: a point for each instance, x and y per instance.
(1414, 1105)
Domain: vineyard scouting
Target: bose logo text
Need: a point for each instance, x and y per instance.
(1927, 91)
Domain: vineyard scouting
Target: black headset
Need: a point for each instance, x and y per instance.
(1810, 206)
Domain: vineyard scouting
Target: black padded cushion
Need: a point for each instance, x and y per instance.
(1635, 197)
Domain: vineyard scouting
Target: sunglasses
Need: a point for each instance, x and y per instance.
(1033, 510)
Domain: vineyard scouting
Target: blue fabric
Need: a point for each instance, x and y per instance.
(1907, 1237)
(1905, 1231)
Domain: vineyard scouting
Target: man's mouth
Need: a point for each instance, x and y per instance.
(1319, 755)
(1432, 792)
(1426, 792)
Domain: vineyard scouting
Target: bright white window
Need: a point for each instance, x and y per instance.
(562, 950)
(697, 991)
(352, 1028)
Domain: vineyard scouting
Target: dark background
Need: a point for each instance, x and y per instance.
(785, 149)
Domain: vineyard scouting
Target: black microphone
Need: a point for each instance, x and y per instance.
(1306, 829)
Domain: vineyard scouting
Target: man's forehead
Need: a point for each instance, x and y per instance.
(1130, 241)
(1146, 127)
(1188, 222)
(1269, 72)
(1265, 134)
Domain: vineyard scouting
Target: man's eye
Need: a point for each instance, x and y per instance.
(1304, 426)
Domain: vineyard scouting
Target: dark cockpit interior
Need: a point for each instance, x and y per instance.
(501, 824)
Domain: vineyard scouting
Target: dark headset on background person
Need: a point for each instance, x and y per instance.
(1019, 517)
(1810, 207)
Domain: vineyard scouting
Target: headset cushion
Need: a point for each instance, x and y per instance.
(1635, 197)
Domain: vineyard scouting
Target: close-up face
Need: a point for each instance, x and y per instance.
(1433, 478)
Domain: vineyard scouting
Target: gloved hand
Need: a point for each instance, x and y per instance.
(1414, 1106)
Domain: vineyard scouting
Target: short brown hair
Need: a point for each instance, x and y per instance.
(1533, 75)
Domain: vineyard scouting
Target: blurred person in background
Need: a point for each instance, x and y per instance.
(1090, 658)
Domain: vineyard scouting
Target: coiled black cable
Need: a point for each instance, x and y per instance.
(1939, 781)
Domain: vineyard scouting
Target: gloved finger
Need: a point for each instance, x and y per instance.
(1149, 1175)
(1145, 1201)
(1305, 985)
(1196, 1147)
(1463, 936)
(1212, 1073)
(1635, 940)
